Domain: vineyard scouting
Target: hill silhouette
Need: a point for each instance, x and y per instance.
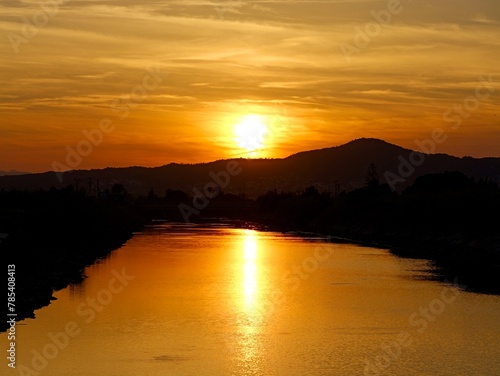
(342, 167)
(12, 172)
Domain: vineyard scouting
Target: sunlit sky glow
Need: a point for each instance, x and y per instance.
(220, 61)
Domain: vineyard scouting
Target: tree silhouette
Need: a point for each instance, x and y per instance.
(371, 178)
(118, 192)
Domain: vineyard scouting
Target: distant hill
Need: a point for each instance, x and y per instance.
(343, 167)
(12, 172)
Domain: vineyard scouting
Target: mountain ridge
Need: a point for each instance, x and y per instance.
(341, 167)
(13, 172)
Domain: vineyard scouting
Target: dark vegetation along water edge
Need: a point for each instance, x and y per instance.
(447, 218)
(52, 235)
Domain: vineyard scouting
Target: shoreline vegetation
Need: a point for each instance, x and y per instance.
(51, 236)
(447, 218)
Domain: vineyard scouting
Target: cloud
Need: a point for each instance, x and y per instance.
(260, 53)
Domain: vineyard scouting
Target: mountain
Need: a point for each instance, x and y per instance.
(343, 167)
(13, 172)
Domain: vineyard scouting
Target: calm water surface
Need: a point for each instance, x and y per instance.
(221, 301)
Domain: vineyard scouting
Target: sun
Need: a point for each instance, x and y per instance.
(251, 132)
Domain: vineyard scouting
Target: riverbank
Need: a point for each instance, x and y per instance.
(52, 236)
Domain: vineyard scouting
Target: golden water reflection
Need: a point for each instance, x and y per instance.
(250, 295)
(205, 301)
(250, 272)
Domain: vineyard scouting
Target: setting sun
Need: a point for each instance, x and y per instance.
(250, 187)
(251, 132)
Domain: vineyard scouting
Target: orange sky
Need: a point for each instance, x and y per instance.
(171, 82)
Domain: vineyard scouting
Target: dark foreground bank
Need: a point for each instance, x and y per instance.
(49, 237)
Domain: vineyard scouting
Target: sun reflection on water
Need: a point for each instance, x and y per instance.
(250, 271)
(250, 316)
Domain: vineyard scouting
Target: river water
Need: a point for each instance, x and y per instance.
(183, 300)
